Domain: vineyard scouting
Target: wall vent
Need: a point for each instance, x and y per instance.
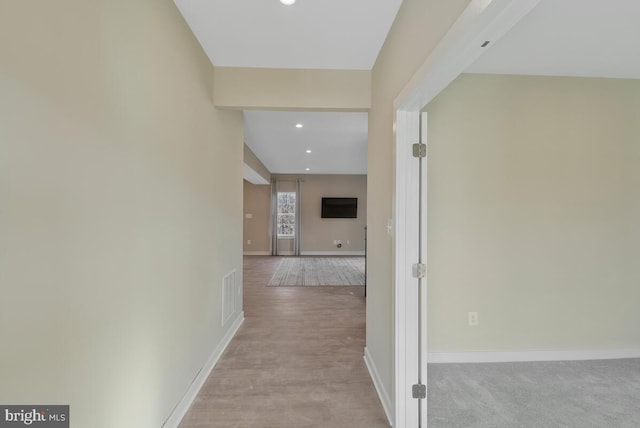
(229, 296)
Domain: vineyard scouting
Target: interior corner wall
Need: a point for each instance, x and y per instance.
(256, 164)
(257, 204)
(418, 27)
(121, 190)
(533, 208)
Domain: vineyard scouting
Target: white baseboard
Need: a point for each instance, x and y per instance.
(257, 253)
(332, 253)
(387, 405)
(183, 406)
(518, 356)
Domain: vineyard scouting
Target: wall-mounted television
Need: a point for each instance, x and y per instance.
(339, 208)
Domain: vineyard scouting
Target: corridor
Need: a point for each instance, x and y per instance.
(297, 360)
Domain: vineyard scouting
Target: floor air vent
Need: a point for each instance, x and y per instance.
(229, 295)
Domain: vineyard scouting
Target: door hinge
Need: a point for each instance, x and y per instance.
(419, 391)
(419, 150)
(419, 270)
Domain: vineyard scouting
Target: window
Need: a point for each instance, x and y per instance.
(286, 214)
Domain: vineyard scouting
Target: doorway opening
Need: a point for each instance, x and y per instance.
(481, 21)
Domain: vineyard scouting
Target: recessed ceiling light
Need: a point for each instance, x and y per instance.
(287, 2)
(308, 151)
(307, 169)
(299, 125)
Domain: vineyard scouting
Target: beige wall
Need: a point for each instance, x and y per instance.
(318, 234)
(268, 88)
(256, 164)
(534, 201)
(418, 27)
(121, 208)
(257, 202)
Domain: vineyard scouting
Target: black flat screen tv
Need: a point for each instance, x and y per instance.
(339, 208)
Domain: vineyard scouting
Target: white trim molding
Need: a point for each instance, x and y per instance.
(332, 253)
(192, 392)
(482, 20)
(526, 356)
(405, 224)
(383, 395)
(257, 253)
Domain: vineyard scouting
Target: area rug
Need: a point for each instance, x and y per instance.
(319, 271)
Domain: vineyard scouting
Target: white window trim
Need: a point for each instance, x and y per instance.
(278, 214)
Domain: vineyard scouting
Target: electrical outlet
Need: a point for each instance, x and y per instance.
(347, 242)
(248, 241)
(473, 319)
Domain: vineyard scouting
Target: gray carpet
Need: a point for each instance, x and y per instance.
(604, 393)
(316, 271)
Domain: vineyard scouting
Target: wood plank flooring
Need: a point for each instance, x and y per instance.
(295, 362)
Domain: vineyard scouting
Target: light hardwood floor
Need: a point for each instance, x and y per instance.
(295, 362)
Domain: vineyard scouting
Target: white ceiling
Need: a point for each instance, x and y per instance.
(594, 38)
(589, 38)
(337, 140)
(326, 34)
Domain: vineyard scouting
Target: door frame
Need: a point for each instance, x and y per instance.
(482, 20)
